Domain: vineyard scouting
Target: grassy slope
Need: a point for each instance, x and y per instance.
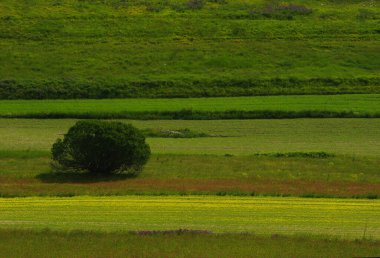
(66, 49)
(91, 244)
(238, 137)
(182, 175)
(269, 106)
(346, 218)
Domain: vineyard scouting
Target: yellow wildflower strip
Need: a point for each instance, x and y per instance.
(347, 218)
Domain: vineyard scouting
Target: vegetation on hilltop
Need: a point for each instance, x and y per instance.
(182, 48)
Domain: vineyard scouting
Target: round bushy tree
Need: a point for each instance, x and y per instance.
(102, 147)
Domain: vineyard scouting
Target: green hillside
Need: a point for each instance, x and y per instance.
(182, 48)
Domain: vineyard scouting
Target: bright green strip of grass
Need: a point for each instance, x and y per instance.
(360, 104)
(345, 218)
(93, 244)
(244, 137)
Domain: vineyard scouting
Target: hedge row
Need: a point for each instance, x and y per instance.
(71, 89)
(187, 114)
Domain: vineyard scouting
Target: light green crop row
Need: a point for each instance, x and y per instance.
(238, 137)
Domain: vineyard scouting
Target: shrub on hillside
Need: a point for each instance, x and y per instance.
(195, 4)
(218, 1)
(101, 148)
(280, 11)
(365, 14)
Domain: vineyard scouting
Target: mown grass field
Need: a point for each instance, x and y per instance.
(346, 218)
(108, 49)
(47, 243)
(238, 137)
(364, 105)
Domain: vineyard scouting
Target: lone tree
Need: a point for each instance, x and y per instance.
(101, 148)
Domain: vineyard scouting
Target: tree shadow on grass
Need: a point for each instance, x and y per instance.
(80, 177)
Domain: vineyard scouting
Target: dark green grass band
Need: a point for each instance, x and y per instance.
(182, 243)
(188, 114)
(45, 89)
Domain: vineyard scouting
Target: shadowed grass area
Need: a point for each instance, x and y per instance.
(28, 154)
(48, 243)
(77, 177)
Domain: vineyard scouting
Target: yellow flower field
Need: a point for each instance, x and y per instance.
(346, 218)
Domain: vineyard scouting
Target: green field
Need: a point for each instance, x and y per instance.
(47, 243)
(116, 48)
(262, 117)
(365, 105)
(343, 218)
(29, 174)
(249, 168)
(239, 137)
(200, 165)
